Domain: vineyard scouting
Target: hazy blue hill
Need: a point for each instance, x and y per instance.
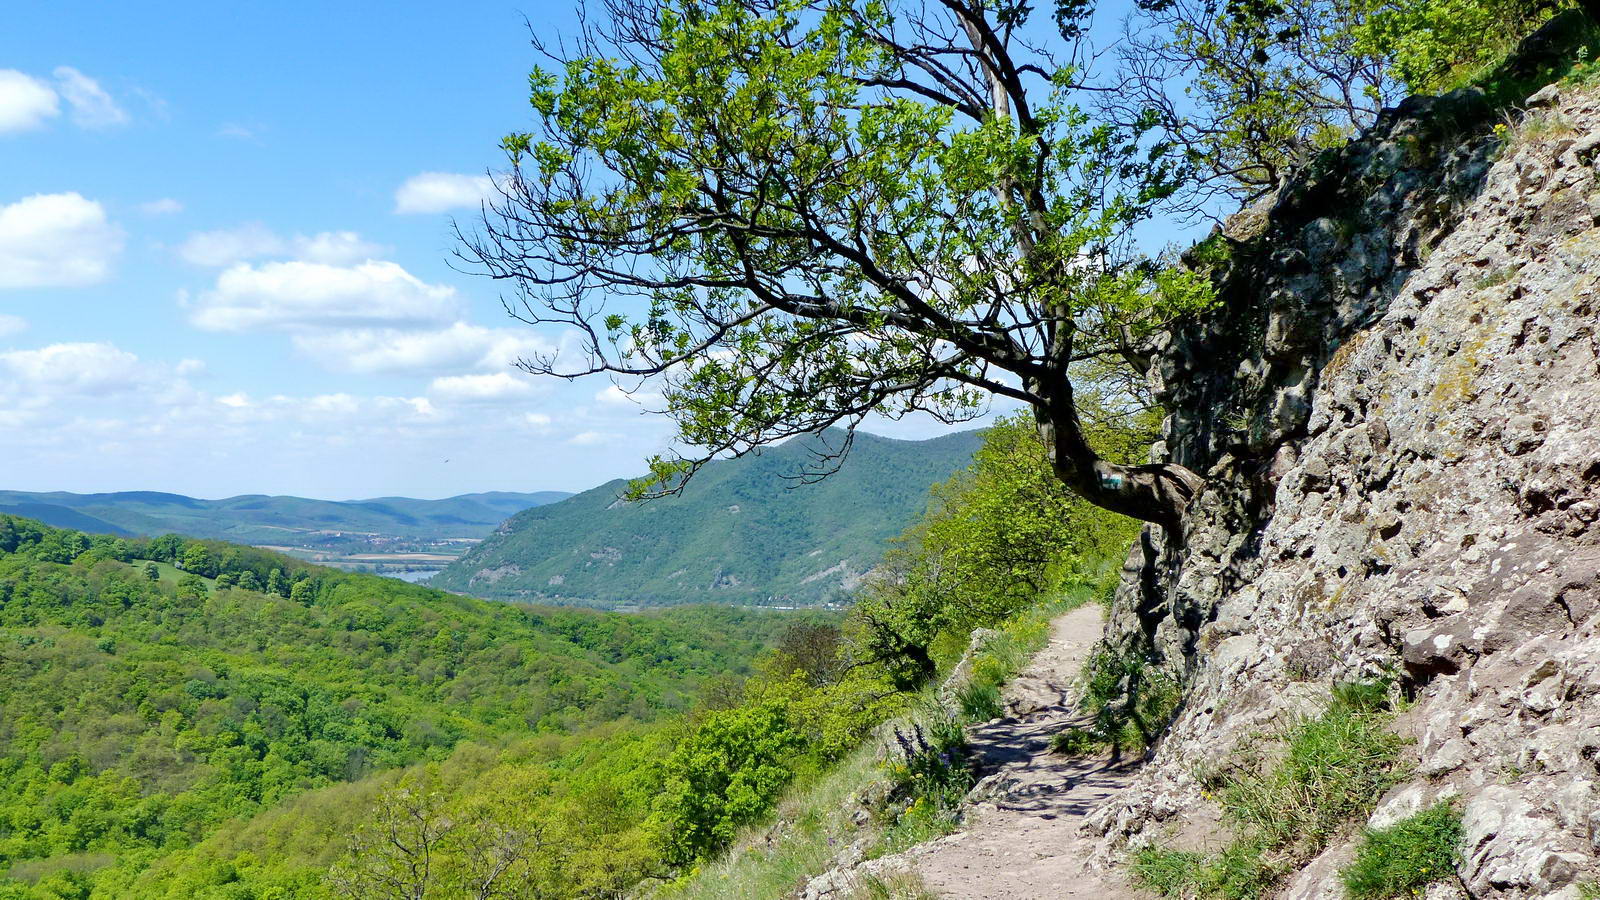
(62, 517)
(262, 519)
(743, 532)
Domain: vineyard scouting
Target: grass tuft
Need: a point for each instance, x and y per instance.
(980, 701)
(1286, 807)
(1402, 859)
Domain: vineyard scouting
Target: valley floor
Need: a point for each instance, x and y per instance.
(1022, 840)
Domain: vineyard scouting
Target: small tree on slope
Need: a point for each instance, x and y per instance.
(795, 213)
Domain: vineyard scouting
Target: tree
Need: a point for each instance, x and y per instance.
(395, 855)
(1264, 85)
(1250, 90)
(793, 214)
(197, 559)
(152, 571)
(724, 774)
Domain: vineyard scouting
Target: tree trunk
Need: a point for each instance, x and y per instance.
(1158, 492)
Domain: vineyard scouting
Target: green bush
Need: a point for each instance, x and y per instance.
(1403, 858)
(725, 774)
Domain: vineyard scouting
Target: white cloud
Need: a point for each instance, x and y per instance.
(459, 346)
(91, 106)
(536, 420)
(55, 240)
(166, 206)
(81, 369)
(12, 324)
(253, 240)
(613, 395)
(483, 388)
(238, 131)
(335, 247)
(227, 246)
(25, 101)
(593, 438)
(437, 192)
(304, 296)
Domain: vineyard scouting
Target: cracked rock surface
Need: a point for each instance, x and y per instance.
(1412, 333)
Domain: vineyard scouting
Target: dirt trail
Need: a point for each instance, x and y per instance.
(1023, 842)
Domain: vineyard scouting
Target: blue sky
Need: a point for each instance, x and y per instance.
(212, 278)
(224, 239)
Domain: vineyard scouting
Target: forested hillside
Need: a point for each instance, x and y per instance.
(153, 690)
(259, 519)
(255, 769)
(748, 530)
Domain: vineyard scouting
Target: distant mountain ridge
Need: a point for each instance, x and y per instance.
(263, 519)
(741, 532)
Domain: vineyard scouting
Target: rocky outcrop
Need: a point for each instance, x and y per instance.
(1397, 412)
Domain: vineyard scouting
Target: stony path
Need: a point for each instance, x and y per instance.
(1023, 843)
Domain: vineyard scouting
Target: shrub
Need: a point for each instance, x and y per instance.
(1405, 857)
(725, 774)
(932, 774)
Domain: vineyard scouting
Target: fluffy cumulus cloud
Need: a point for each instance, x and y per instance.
(25, 102)
(488, 388)
(301, 296)
(639, 398)
(56, 240)
(253, 240)
(335, 247)
(61, 371)
(91, 106)
(437, 192)
(593, 439)
(458, 347)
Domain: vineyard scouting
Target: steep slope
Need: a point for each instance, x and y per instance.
(1410, 332)
(259, 519)
(744, 531)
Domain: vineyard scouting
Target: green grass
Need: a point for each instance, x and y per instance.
(1286, 805)
(1241, 871)
(897, 886)
(1575, 39)
(1402, 859)
(980, 702)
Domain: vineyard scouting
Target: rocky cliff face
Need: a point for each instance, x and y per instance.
(1398, 415)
